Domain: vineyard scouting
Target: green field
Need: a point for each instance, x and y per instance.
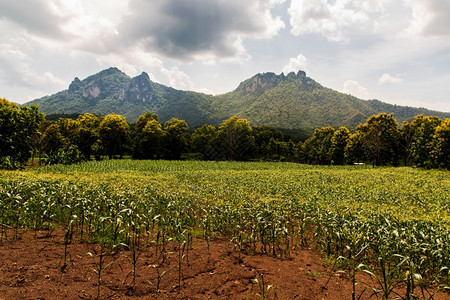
(391, 223)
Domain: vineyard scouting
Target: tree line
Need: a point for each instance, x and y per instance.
(26, 134)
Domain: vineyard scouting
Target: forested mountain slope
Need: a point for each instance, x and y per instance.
(112, 91)
(292, 101)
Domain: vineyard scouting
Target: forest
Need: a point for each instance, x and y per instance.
(26, 136)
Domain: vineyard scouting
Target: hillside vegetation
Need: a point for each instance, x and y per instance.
(292, 101)
(112, 91)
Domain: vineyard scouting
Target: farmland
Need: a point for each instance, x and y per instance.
(388, 228)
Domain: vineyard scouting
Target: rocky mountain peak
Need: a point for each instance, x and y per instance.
(75, 85)
(144, 76)
(104, 84)
(300, 75)
(259, 83)
(264, 81)
(110, 71)
(138, 89)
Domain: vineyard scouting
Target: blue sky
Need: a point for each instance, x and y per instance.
(397, 51)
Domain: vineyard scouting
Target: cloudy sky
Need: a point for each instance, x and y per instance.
(397, 51)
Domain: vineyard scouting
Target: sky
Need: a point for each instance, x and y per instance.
(397, 51)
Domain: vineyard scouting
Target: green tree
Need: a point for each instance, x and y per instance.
(380, 136)
(355, 151)
(440, 152)
(174, 136)
(406, 139)
(280, 150)
(202, 141)
(316, 149)
(236, 139)
(143, 119)
(146, 143)
(114, 135)
(263, 135)
(68, 129)
(151, 139)
(421, 147)
(53, 140)
(38, 140)
(87, 134)
(18, 127)
(338, 144)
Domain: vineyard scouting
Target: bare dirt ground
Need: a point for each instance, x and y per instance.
(33, 268)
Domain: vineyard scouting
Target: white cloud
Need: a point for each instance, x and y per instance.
(354, 88)
(17, 70)
(296, 64)
(334, 20)
(387, 79)
(276, 2)
(430, 17)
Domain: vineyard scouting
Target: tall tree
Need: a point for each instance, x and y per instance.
(280, 150)
(406, 139)
(316, 149)
(87, 135)
(381, 138)
(147, 135)
(143, 119)
(52, 139)
(440, 152)
(114, 134)
(235, 137)
(202, 141)
(424, 130)
(151, 139)
(338, 144)
(175, 141)
(263, 135)
(355, 151)
(18, 127)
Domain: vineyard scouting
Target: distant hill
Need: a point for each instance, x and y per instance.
(292, 101)
(112, 91)
(296, 101)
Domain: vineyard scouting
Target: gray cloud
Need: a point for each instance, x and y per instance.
(183, 29)
(429, 18)
(15, 70)
(33, 15)
(439, 20)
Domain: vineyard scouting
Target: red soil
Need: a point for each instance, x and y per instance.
(31, 268)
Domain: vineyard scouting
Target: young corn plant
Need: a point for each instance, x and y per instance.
(69, 229)
(387, 274)
(263, 288)
(136, 250)
(101, 263)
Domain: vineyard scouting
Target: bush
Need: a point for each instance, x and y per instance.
(71, 155)
(9, 163)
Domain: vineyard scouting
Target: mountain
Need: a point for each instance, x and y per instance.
(297, 101)
(292, 101)
(112, 91)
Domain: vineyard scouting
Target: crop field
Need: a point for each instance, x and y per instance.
(385, 230)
